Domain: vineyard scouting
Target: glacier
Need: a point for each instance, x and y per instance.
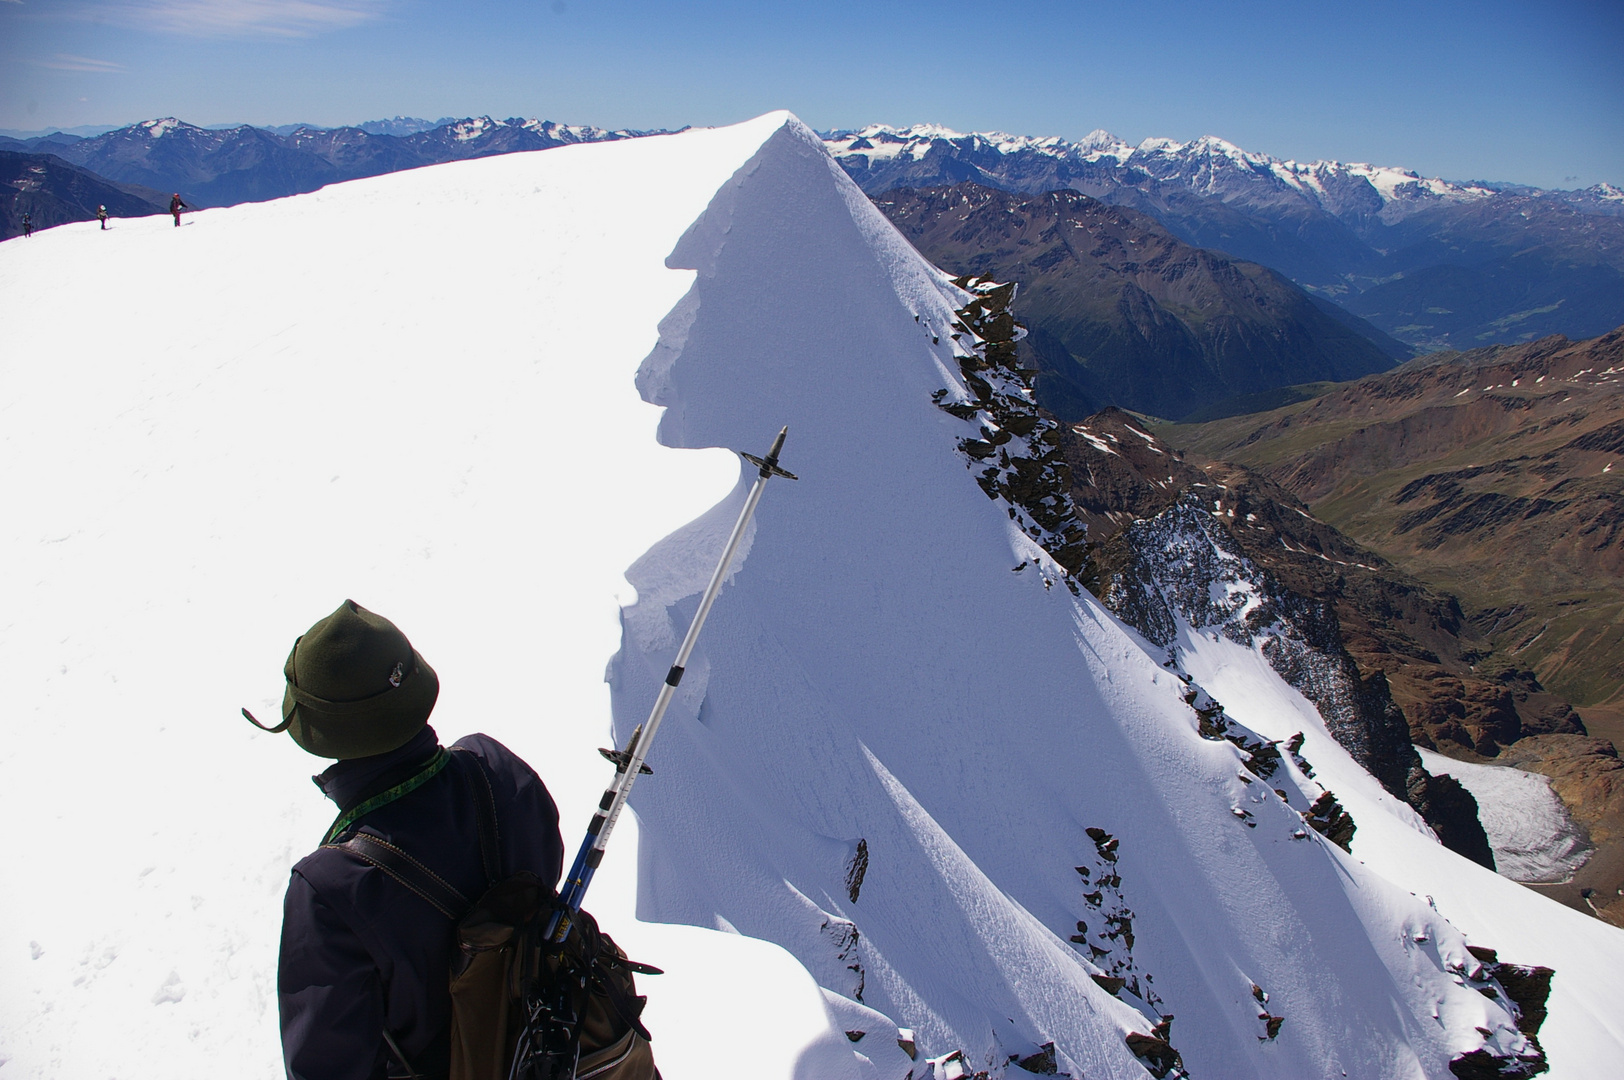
(489, 399)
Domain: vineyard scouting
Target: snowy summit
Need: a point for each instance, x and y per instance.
(921, 806)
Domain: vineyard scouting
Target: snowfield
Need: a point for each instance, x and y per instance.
(900, 786)
(1533, 836)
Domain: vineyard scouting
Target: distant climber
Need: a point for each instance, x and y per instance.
(101, 213)
(28, 225)
(176, 206)
(363, 982)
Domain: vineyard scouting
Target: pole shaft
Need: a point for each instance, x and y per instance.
(614, 797)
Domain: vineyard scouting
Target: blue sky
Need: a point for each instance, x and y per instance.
(1494, 89)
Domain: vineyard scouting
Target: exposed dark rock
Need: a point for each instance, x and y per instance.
(1018, 457)
(1111, 984)
(1529, 988)
(1041, 1063)
(1157, 1055)
(1327, 818)
(856, 869)
(1481, 1065)
(845, 939)
(1452, 812)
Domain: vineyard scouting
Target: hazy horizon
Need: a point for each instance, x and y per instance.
(1498, 90)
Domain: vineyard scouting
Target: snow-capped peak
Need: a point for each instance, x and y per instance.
(1210, 164)
(464, 130)
(1158, 145)
(913, 131)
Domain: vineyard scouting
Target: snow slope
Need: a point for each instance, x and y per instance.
(415, 391)
(1584, 1034)
(1533, 836)
(877, 689)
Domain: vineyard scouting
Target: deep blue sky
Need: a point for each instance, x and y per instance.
(1491, 89)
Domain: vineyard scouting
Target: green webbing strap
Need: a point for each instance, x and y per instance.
(405, 787)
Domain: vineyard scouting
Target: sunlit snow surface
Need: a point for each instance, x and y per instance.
(415, 391)
(877, 677)
(1531, 832)
(1584, 1034)
(422, 391)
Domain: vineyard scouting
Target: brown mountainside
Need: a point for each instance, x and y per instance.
(1419, 638)
(1119, 311)
(1495, 475)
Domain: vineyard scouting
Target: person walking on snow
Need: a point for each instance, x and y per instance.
(28, 226)
(363, 980)
(101, 213)
(176, 206)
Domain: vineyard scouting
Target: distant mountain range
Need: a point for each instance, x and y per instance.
(1121, 312)
(221, 167)
(1436, 264)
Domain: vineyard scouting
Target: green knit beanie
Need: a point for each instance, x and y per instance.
(356, 687)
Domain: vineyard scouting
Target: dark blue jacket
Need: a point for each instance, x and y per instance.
(360, 952)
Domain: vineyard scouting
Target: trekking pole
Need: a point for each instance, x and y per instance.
(629, 762)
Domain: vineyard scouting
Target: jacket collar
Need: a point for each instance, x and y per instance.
(350, 782)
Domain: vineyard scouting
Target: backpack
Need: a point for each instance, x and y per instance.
(523, 1008)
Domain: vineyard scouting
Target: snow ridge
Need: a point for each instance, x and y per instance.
(878, 686)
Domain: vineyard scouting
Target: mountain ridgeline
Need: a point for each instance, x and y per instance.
(1121, 312)
(222, 167)
(1436, 264)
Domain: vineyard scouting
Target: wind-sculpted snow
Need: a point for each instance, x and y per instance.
(875, 679)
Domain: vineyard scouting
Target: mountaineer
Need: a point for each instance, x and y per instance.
(365, 964)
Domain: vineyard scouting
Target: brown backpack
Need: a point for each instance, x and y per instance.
(523, 1008)
(526, 1009)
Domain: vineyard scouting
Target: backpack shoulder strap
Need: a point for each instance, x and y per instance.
(379, 852)
(414, 875)
(472, 771)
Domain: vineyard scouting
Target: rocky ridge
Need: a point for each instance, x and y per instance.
(1410, 646)
(1182, 565)
(1169, 564)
